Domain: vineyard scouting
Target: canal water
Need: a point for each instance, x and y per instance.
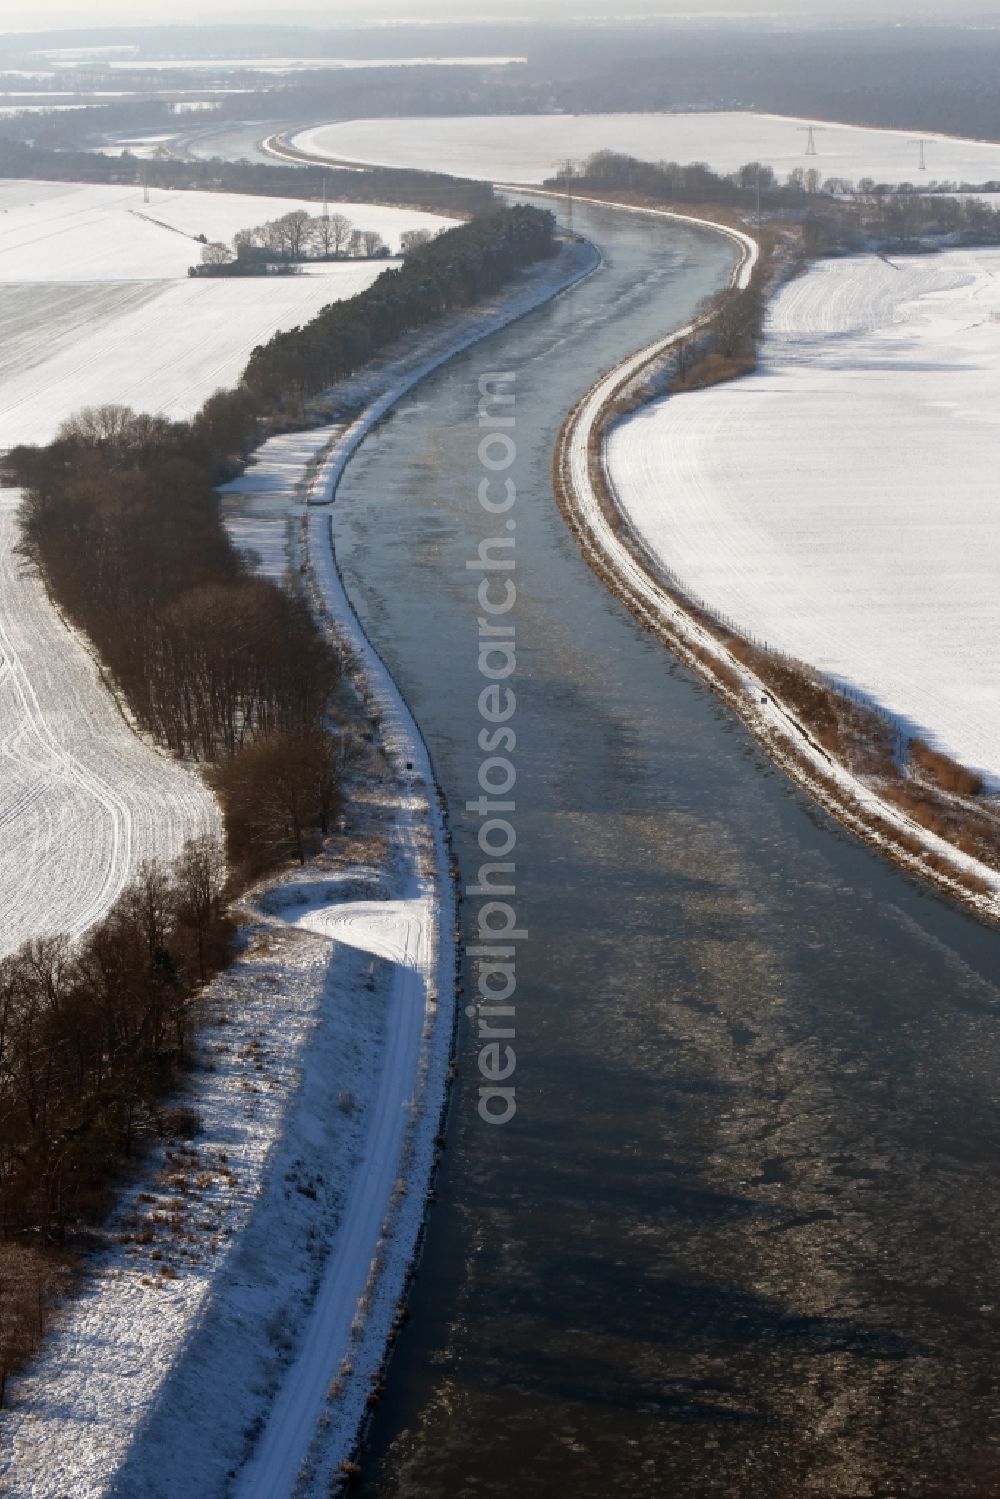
(739, 1238)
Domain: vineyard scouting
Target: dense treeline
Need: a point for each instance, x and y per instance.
(427, 190)
(837, 215)
(898, 220)
(91, 1037)
(448, 272)
(89, 1034)
(885, 208)
(122, 519)
(673, 182)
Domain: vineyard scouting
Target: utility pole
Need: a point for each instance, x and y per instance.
(922, 144)
(568, 168)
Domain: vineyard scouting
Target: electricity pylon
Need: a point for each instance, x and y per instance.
(567, 169)
(811, 131)
(923, 144)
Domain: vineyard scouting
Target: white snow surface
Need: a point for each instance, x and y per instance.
(83, 800)
(166, 352)
(529, 148)
(841, 504)
(62, 231)
(296, 64)
(96, 304)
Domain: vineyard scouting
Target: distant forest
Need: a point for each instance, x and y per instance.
(431, 191)
(921, 78)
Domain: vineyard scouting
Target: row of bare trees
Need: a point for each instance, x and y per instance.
(300, 236)
(847, 211)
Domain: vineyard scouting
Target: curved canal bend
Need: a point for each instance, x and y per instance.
(739, 1238)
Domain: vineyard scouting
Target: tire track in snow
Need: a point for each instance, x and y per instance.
(401, 928)
(83, 799)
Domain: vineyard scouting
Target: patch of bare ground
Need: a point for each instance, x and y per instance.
(711, 368)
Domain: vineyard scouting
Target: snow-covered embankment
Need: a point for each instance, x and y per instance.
(628, 558)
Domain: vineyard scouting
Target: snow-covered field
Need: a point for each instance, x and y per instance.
(82, 799)
(167, 353)
(529, 148)
(841, 504)
(96, 304)
(60, 231)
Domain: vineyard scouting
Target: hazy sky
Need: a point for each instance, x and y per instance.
(19, 15)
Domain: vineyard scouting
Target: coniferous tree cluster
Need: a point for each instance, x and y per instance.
(448, 272)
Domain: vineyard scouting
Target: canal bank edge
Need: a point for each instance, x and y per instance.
(349, 1409)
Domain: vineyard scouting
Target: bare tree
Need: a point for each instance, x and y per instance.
(275, 791)
(373, 242)
(201, 873)
(320, 238)
(115, 430)
(412, 239)
(753, 174)
(341, 229)
(216, 254)
(330, 234)
(291, 232)
(29, 1279)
